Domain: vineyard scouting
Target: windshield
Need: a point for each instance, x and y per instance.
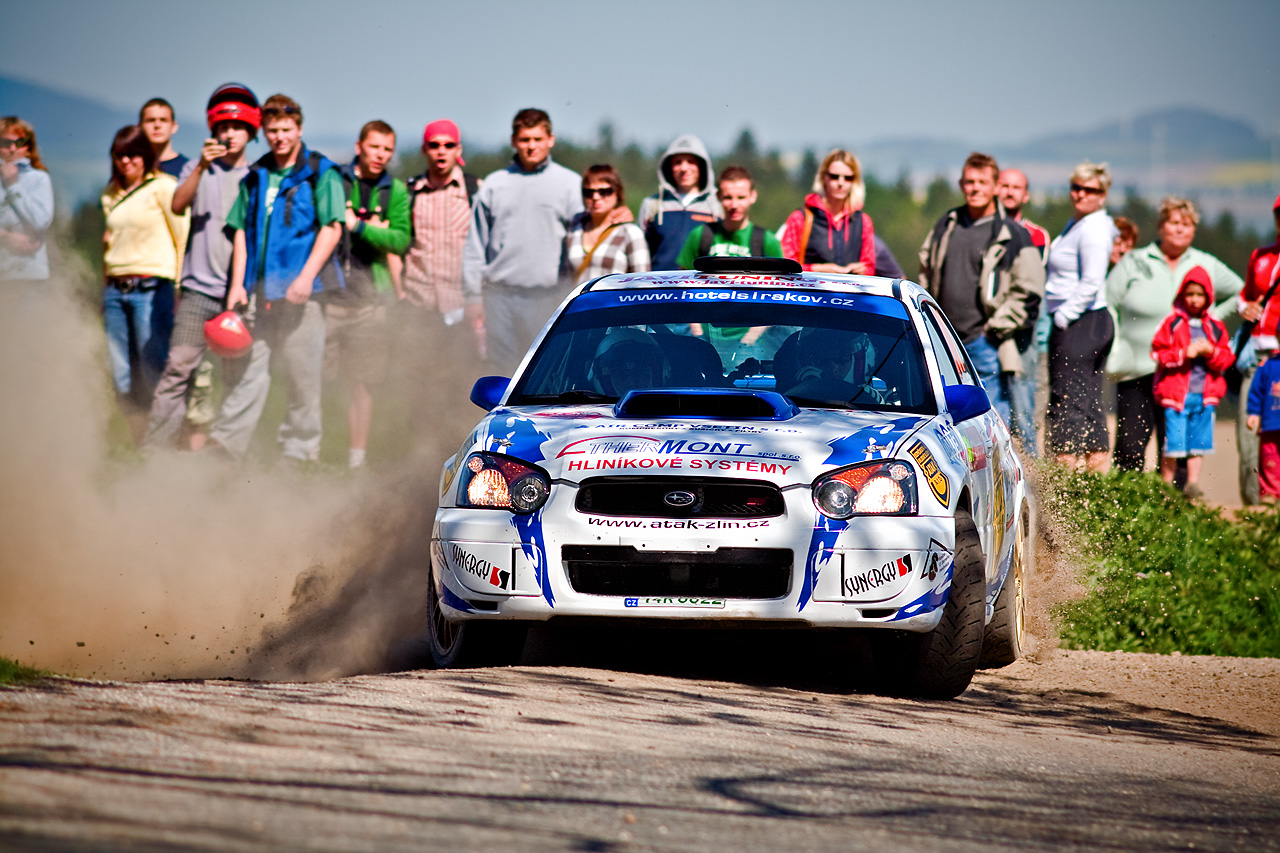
(822, 350)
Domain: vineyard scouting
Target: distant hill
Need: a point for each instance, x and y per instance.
(1180, 136)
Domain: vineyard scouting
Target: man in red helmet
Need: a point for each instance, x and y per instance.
(207, 187)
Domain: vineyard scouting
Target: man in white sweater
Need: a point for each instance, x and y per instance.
(511, 264)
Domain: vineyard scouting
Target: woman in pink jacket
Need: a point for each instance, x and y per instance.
(831, 233)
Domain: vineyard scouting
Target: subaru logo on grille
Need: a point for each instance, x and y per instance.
(679, 499)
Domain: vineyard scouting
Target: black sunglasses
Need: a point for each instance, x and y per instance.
(603, 192)
(276, 111)
(448, 146)
(1081, 188)
(832, 176)
(12, 143)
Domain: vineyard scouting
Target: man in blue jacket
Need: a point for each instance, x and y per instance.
(287, 221)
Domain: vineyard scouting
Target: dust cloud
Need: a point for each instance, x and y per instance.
(183, 565)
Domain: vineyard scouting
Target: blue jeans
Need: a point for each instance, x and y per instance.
(985, 360)
(1022, 391)
(138, 325)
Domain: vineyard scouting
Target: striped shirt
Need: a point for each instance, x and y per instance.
(433, 265)
(621, 249)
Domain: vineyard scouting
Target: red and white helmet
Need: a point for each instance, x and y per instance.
(234, 102)
(227, 335)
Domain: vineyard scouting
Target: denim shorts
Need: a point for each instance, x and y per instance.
(1189, 432)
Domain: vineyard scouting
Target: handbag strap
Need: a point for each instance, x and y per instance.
(586, 260)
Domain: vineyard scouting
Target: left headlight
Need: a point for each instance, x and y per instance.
(882, 487)
(492, 481)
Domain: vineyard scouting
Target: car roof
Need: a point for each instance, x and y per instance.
(895, 288)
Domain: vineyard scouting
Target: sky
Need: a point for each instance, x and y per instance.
(798, 73)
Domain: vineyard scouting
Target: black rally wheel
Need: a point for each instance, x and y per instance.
(1002, 644)
(461, 645)
(940, 664)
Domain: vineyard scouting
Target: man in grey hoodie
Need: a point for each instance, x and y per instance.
(511, 261)
(685, 199)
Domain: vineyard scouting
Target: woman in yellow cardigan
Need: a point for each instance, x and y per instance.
(142, 258)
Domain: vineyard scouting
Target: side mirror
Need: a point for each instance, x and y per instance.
(488, 391)
(963, 401)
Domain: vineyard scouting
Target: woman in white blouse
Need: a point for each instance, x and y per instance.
(1075, 298)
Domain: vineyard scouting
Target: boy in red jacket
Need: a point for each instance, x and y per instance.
(1192, 350)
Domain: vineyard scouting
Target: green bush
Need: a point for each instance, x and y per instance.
(16, 673)
(1163, 574)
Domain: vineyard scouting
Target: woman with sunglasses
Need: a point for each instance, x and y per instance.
(26, 204)
(1082, 331)
(832, 233)
(142, 256)
(602, 239)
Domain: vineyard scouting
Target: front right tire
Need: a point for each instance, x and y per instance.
(474, 643)
(941, 663)
(1002, 644)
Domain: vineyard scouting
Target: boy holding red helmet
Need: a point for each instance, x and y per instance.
(208, 188)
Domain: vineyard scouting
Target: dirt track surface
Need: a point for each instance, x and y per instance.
(1083, 750)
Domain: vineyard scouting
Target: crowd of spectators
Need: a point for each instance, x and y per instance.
(336, 270)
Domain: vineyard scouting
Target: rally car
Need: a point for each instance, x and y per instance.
(746, 443)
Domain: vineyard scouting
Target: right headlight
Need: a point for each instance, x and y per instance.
(882, 487)
(493, 481)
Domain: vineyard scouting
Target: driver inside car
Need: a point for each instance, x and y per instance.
(626, 360)
(834, 365)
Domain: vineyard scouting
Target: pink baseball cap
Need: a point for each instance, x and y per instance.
(443, 127)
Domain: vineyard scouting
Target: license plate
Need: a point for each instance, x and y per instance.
(710, 603)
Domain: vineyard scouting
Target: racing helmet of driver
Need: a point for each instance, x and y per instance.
(834, 354)
(627, 359)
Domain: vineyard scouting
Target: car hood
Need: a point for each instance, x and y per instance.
(581, 442)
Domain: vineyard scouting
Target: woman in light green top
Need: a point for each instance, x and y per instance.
(1140, 292)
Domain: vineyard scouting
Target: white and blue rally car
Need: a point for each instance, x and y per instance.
(743, 443)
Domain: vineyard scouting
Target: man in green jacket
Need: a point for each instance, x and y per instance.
(357, 337)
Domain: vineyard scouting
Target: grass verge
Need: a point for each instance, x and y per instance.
(1166, 575)
(12, 672)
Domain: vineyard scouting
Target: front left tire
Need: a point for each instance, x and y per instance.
(474, 643)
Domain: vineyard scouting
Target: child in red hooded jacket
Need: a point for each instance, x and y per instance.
(1192, 351)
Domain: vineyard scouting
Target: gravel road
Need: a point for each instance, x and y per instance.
(729, 746)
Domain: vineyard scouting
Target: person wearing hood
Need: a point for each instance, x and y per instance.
(832, 233)
(26, 204)
(1192, 350)
(685, 199)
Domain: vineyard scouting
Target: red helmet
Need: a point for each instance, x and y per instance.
(234, 102)
(227, 335)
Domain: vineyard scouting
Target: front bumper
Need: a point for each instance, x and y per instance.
(876, 572)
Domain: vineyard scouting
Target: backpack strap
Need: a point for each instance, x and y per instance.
(756, 240)
(472, 184)
(314, 159)
(857, 219)
(707, 240)
(805, 231)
